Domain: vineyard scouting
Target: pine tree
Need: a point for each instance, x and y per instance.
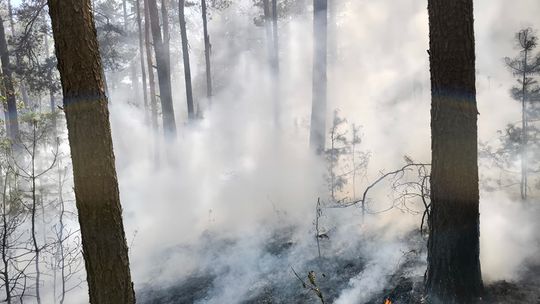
(453, 274)
(96, 187)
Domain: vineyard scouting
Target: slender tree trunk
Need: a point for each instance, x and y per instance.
(5, 236)
(207, 50)
(52, 102)
(141, 52)
(11, 20)
(150, 65)
(6, 111)
(24, 91)
(524, 127)
(332, 31)
(268, 29)
(320, 52)
(132, 65)
(12, 119)
(166, 31)
(275, 37)
(37, 249)
(164, 73)
(275, 64)
(185, 55)
(96, 187)
(453, 274)
(61, 237)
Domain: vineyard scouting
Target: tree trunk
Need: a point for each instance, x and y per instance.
(150, 65)
(207, 49)
(453, 274)
(275, 64)
(132, 65)
(524, 127)
(24, 91)
(275, 37)
(164, 73)
(166, 32)
(37, 249)
(5, 240)
(268, 30)
(12, 120)
(141, 53)
(332, 32)
(52, 101)
(318, 106)
(96, 187)
(185, 54)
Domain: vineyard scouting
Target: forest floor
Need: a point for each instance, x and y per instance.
(403, 284)
(525, 290)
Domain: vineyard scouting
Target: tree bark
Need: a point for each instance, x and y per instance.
(164, 73)
(453, 274)
(185, 55)
(12, 120)
(96, 187)
(320, 52)
(207, 50)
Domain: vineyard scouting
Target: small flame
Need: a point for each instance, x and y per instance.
(387, 301)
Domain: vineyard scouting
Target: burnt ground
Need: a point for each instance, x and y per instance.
(526, 290)
(334, 273)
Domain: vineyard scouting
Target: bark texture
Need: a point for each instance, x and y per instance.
(453, 274)
(96, 187)
(320, 52)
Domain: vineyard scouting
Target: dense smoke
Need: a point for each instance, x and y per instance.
(234, 188)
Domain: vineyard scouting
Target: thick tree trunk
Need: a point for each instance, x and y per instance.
(96, 186)
(141, 57)
(12, 120)
(320, 52)
(453, 274)
(150, 65)
(185, 55)
(164, 73)
(207, 50)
